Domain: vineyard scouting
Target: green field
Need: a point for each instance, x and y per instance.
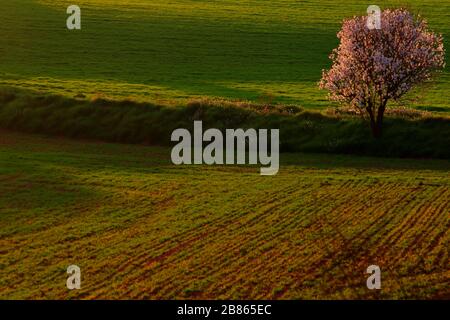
(140, 227)
(167, 52)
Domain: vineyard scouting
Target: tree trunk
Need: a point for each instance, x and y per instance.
(377, 123)
(373, 124)
(377, 129)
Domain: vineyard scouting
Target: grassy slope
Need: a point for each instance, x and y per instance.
(141, 228)
(159, 50)
(300, 130)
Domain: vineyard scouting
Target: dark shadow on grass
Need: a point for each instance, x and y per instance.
(144, 123)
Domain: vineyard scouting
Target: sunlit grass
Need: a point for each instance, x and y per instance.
(140, 227)
(170, 51)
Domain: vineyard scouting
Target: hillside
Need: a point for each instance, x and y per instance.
(140, 227)
(160, 51)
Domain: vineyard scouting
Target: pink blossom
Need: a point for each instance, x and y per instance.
(371, 67)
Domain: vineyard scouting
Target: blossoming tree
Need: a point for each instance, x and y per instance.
(372, 66)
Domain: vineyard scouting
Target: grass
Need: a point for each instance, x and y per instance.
(168, 52)
(142, 228)
(300, 130)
